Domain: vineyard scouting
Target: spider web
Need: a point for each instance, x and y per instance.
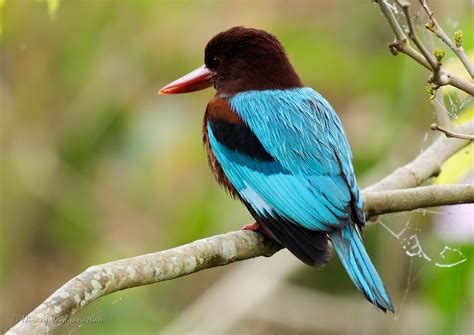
(455, 104)
(409, 237)
(412, 246)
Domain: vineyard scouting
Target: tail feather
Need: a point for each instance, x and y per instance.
(350, 249)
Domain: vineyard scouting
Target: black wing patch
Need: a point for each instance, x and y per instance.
(238, 137)
(310, 246)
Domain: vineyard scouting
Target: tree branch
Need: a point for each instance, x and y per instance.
(401, 41)
(452, 134)
(440, 76)
(434, 65)
(392, 21)
(436, 29)
(426, 165)
(101, 280)
(384, 202)
(223, 249)
(457, 82)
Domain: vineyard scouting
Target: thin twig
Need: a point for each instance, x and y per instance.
(452, 134)
(435, 66)
(409, 51)
(436, 28)
(436, 92)
(440, 76)
(392, 21)
(401, 41)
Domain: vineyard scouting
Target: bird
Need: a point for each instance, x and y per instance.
(279, 147)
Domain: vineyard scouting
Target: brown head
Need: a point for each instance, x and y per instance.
(240, 59)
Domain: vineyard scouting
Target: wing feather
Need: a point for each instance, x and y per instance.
(272, 190)
(300, 129)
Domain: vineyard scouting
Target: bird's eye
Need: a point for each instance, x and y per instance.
(216, 61)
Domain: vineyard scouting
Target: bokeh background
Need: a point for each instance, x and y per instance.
(96, 166)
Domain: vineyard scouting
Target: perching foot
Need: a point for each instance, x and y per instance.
(258, 228)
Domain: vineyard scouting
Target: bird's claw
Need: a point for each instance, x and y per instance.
(252, 227)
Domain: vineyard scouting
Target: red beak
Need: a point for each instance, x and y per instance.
(196, 80)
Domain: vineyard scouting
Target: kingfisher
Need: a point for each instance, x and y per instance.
(279, 147)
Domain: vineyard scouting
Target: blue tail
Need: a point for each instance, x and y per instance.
(350, 249)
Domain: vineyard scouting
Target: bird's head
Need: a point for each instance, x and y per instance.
(240, 59)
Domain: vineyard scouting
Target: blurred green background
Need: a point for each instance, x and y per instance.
(96, 166)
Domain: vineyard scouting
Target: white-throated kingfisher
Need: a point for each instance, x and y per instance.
(280, 148)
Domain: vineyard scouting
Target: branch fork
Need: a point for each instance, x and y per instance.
(439, 76)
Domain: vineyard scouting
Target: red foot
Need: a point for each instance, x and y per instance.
(253, 227)
(258, 228)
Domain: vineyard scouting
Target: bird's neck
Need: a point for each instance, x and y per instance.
(268, 75)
